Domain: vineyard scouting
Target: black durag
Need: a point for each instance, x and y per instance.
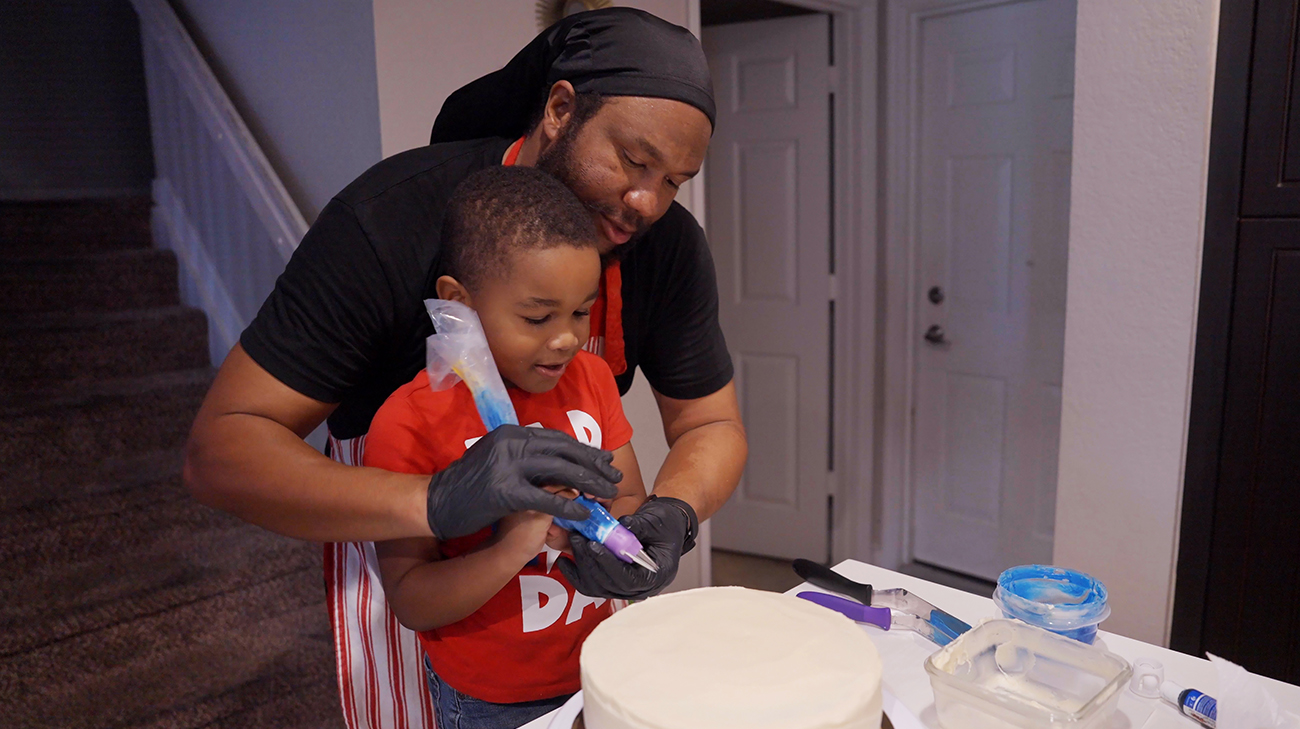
(612, 51)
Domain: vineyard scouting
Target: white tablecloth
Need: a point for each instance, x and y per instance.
(904, 652)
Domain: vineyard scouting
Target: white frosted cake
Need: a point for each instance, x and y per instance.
(728, 657)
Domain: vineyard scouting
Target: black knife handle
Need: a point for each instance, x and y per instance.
(828, 579)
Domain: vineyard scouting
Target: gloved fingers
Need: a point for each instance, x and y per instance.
(547, 470)
(545, 442)
(632, 579)
(593, 555)
(640, 524)
(575, 577)
(596, 572)
(586, 572)
(665, 555)
(506, 431)
(444, 504)
(656, 523)
(659, 536)
(526, 496)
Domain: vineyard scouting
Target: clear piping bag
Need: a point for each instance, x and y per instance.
(459, 351)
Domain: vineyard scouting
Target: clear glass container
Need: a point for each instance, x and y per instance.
(1009, 673)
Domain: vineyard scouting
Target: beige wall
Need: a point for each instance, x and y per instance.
(1143, 84)
(426, 50)
(302, 76)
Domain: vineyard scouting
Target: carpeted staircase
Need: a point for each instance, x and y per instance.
(123, 602)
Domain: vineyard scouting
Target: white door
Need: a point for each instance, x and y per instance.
(993, 193)
(768, 217)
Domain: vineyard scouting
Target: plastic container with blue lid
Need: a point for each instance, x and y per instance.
(1064, 601)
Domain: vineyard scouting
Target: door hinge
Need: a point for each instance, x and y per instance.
(833, 288)
(832, 79)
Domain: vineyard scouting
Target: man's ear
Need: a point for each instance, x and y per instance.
(449, 289)
(558, 111)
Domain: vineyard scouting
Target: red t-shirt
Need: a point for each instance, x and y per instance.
(523, 644)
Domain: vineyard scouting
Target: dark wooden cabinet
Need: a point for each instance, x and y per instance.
(1238, 582)
(1271, 179)
(1253, 614)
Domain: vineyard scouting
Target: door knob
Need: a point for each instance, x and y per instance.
(935, 335)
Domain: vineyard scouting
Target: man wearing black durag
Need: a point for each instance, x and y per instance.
(618, 105)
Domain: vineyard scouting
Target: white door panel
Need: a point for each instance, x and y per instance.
(768, 212)
(993, 215)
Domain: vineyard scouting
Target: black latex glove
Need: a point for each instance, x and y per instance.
(500, 475)
(666, 528)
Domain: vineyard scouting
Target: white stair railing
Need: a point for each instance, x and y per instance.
(218, 204)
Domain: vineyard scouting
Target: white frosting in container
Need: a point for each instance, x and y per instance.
(728, 657)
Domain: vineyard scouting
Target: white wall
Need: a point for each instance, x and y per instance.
(302, 75)
(1143, 84)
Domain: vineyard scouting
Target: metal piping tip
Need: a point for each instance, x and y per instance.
(644, 560)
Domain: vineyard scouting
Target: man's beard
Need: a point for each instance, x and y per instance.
(560, 161)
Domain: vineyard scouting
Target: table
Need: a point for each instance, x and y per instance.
(904, 654)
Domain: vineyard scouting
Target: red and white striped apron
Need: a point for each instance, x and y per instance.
(380, 662)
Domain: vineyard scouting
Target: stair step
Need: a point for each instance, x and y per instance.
(74, 226)
(158, 550)
(63, 429)
(45, 349)
(34, 489)
(198, 630)
(132, 603)
(40, 510)
(130, 279)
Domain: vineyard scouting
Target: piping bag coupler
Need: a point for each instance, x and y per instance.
(459, 352)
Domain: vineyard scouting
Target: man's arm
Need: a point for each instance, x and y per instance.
(246, 455)
(707, 449)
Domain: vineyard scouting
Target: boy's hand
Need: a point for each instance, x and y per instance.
(524, 533)
(557, 537)
(500, 473)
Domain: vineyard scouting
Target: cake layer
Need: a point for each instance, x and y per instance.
(728, 657)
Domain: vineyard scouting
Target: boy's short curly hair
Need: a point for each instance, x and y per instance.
(499, 210)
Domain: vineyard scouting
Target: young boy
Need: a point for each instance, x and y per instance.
(500, 626)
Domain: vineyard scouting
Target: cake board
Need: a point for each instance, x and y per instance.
(894, 716)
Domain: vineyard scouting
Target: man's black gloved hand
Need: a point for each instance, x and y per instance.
(500, 475)
(666, 528)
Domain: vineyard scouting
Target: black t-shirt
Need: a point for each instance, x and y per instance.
(346, 320)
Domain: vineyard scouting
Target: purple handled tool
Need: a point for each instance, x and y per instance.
(910, 610)
(880, 617)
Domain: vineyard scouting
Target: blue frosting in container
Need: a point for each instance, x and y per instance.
(1063, 601)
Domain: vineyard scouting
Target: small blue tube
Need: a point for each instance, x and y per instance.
(1192, 703)
(1201, 707)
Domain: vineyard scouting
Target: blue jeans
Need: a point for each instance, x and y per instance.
(455, 710)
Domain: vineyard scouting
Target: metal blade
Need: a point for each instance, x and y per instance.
(946, 627)
(644, 560)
